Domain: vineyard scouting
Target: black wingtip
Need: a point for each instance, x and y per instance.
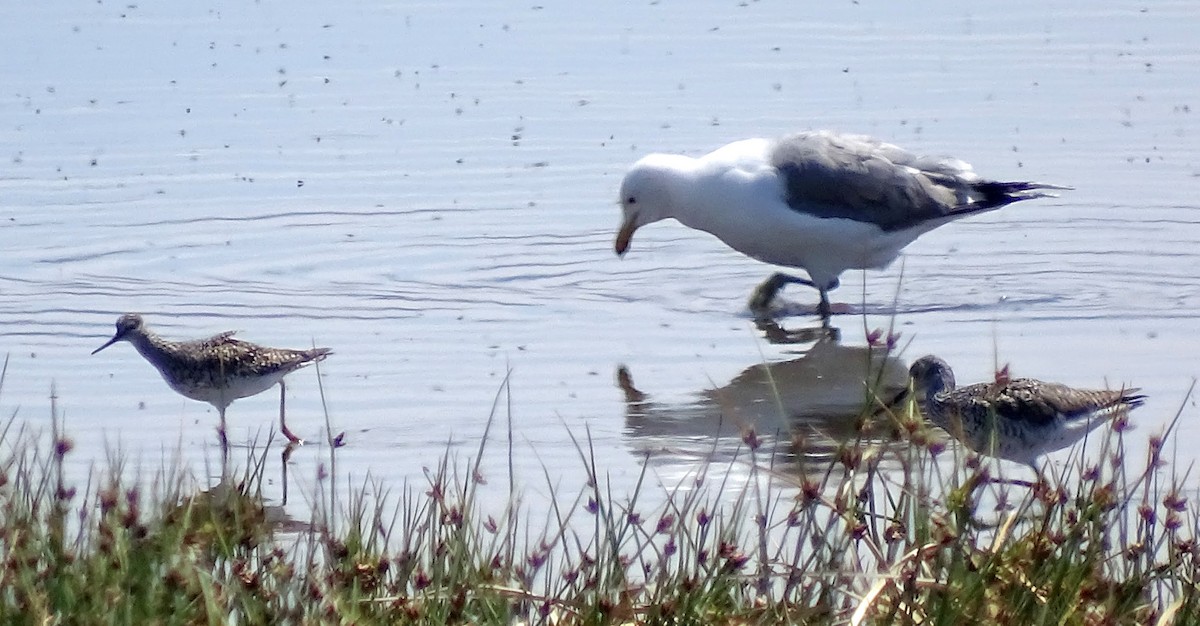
(1000, 193)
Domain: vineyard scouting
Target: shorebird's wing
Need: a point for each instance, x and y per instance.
(1038, 402)
(864, 179)
(233, 357)
(217, 340)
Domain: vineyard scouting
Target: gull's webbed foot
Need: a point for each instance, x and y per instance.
(764, 294)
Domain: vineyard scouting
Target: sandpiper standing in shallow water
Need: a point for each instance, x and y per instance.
(217, 370)
(1018, 419)
(819, 201)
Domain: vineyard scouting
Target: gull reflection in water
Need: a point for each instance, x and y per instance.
(803, 410)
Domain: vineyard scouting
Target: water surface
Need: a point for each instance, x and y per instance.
(429, 189)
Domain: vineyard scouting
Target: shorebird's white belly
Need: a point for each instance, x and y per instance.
(222, 395)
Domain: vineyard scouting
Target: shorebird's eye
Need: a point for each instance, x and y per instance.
(631, 200)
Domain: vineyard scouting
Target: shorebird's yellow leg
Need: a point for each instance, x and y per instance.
(224, 439)
(282, 423)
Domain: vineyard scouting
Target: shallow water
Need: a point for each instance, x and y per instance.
(429, 190)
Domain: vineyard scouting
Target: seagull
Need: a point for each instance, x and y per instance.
(1018, 419)
(819, 201)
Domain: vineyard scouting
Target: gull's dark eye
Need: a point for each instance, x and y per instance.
(631, 200)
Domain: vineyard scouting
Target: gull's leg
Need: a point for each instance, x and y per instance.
(283, 424)
(765, 293)
(823, 308)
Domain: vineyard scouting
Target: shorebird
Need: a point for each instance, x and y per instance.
(819, 201)
(217, 370)
(1018, 419)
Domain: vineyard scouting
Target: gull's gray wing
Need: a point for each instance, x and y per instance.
(864, 179)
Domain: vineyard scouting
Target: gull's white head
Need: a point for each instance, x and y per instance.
(648, 194)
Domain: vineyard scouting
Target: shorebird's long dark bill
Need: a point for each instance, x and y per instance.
(110, 342)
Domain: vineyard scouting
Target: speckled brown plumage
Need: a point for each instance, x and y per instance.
(1017, 419)
(216, 370)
